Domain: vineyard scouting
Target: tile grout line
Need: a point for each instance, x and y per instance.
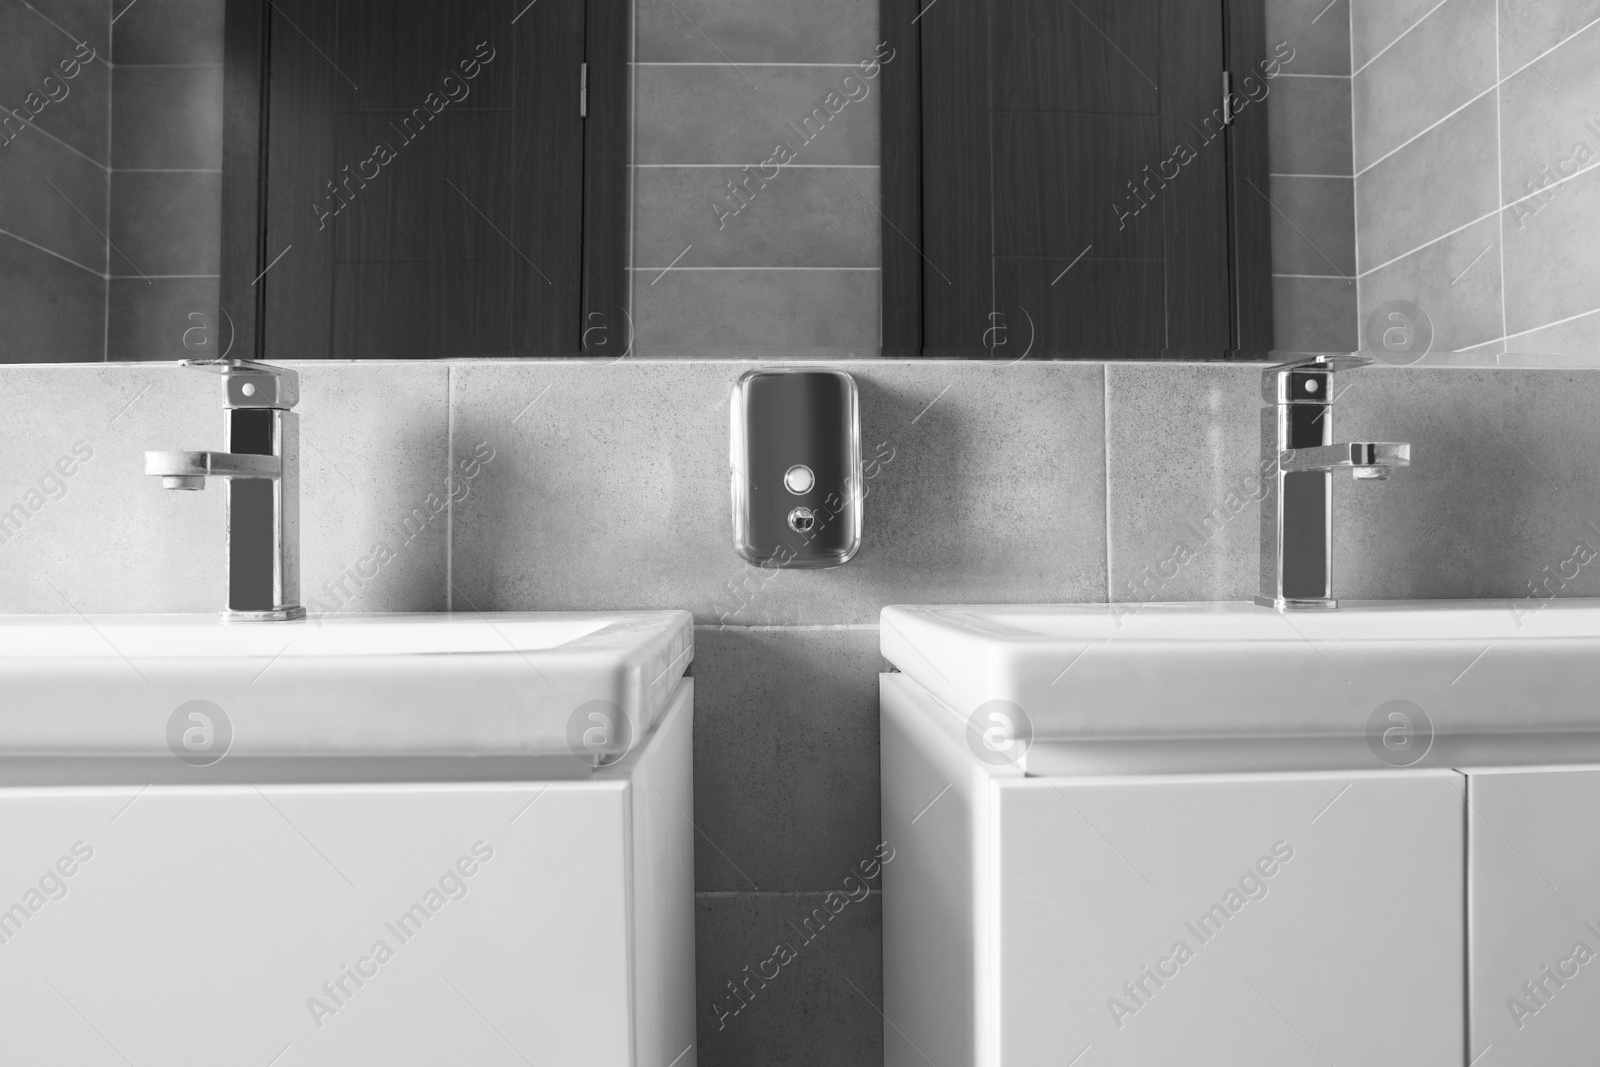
(1500, 171)
(449, 497)
(1105, 449)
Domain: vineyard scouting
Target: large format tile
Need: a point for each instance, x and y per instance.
(76, 110)
(753, 31)
(1547, 113)
(167, 118)
(1502, 484)
(803, 216)
(107, 538)
(1443, 180)
(1376, 25)
(82, 20)
(166, 223)
(53, 311)
(1313, 226)
(1456, 281)
(738, 115)
(1432, 71)
(146, 318)
(1552, 260)
(823, 1005)
(786, 755)
(1318, 31)
(1314, 315)
(613, 490)
(1310, 128)
(1578, 339)
(1530, 28)
(1184, 481)
(169, 31)
(55, 197)
(757, 310)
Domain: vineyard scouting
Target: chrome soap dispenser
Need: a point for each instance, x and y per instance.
(796, 457)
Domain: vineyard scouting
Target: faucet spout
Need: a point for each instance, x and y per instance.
(1364, 459)
(191, 469)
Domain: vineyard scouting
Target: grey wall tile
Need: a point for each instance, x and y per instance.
(614, 491)
(83, 20)
(54, 311)
(1552, 261)
(722, 114)
(822, 1008)
(1578, 338)
(169, 31)
(31, 49)
(1546, 113)
(1318, 31)
(804, 216)
(1530, 28)
(751, 31)
(1404, 202)
(1310, 128)
(1378, 24)
(1436, 68)
(786, 755)
(1313, 225)
(112, 541)
(1456, 281)
(166, 223)
(1501, 482)
(1314, 315)
(768, 310)
(145, 318)
(1183, 454)
(373, 464)
(69, 219)
(167, 117)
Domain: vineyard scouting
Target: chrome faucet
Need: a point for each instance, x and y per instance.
(1299, 456)
(261, 462)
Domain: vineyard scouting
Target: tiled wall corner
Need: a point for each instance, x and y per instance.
(1476, 134)
(755, 175)
(54, 160)
(1312, 190)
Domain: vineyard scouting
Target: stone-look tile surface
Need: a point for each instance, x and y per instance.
(167, 117)
(1443, 180)
(1553, 260)
(107, 538)
(1183, 455)
(1376, 25)
(822, 1008)
(1314, 315)
(373, 463)
(1578, 339)
(1313, 226)
(1437, 67)
(166, 223)
(1530, 28)
(1310, 128)
(1456, 281)
(145, 318)
(714, 115)
(31, 49)
(1318, 33)
(802, 216)
(82, 20)
(169, 31)
(785, 754)
(1502, 482)
(31, 209)
(54, 311)
(754, 31)
(612, 491)
(764, 310)
(1546, 112)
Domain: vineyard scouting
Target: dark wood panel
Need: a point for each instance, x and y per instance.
(900, 178)
(244, 158)
(1250, 229)
(446, 308)
(605, 326)
(1087, 55)
(1111, 307)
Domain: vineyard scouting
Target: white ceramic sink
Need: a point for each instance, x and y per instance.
(1235, 687)
(347, 686)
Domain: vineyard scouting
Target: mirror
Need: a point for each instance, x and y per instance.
(1125, 179)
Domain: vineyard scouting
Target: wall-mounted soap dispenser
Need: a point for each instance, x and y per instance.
(796, 457)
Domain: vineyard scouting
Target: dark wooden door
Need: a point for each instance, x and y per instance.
(424, 179)
(1075, 179)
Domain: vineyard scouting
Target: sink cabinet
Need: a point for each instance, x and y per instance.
(1228, 920)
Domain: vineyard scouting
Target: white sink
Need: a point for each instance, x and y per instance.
(1167, 688)
(396, 839)
(346, 686)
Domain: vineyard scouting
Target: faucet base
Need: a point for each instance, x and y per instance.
(1296, 604)
(275, 615)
